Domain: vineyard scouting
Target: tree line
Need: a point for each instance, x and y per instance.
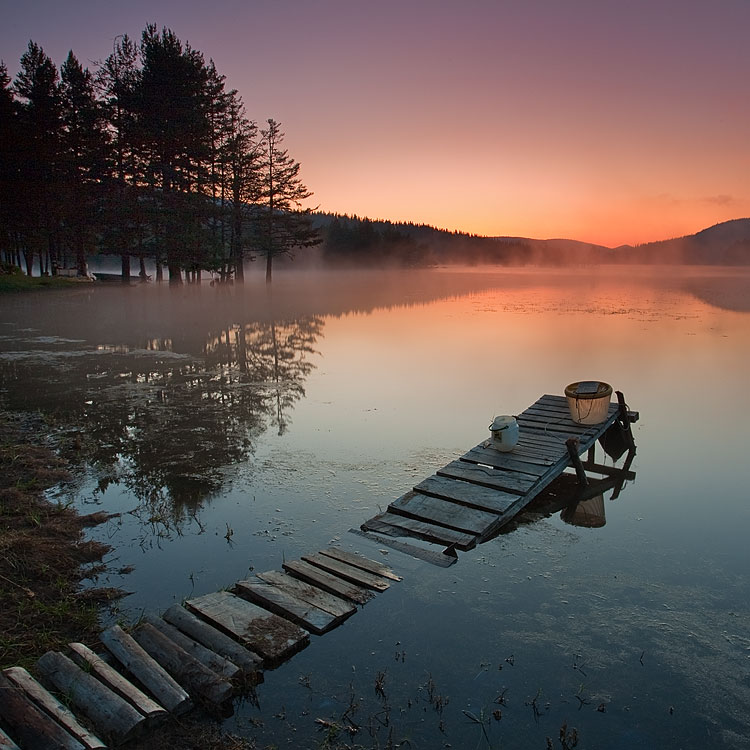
(148, 157)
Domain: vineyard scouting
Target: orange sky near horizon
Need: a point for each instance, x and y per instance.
(597, 120)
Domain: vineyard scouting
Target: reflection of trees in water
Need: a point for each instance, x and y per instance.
(272, 354)
(165, 425)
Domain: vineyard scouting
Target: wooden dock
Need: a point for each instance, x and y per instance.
(219, 644)
(470, 499)
(206, 652)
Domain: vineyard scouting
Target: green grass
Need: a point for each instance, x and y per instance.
(20, 282)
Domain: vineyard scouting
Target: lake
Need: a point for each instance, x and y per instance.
(234, 428)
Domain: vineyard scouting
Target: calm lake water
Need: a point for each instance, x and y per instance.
(235, 428)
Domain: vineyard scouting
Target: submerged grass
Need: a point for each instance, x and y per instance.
(42, 552)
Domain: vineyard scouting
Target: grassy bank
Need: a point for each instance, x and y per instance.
(42, 552)
(13, 279)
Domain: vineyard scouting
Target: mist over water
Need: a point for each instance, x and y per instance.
(288, 415)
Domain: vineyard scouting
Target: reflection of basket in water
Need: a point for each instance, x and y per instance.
(588, 401)
(588, 513)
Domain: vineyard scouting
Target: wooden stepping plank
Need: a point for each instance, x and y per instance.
(465, 493)
(347, 572)
(6, 743)
(195, 677)
(445, 513)
(430, 556)
(112, 715)
(218, 664)
(212, 638)
(269, 635)
(488, 477)
(510, 461)
(46, 701)
(358, 561)
(330, 583)
(391, 524)
(146, 670)
(29, 724)
(86, 658)
(308, 593)
(551, 425)
(287, 605)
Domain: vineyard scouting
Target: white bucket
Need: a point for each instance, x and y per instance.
(504, 431)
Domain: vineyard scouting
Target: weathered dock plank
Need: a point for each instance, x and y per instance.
(466, 493)
(197, 679)
(445, 513)
(214, 639)
(269, 635)
(391, 524)
(215, 662)
(46, 701)
(112, 715)
(431, 556)
(29, 724)
(328, 582)
(358, 561)
(146, 670)
(482, 454)
(486, 476)
(92, 662)
(287, 605)
(6, 743)
(307, 592)
(347, 572)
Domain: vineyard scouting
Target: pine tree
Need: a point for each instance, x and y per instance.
(284, 225)
(40, 153)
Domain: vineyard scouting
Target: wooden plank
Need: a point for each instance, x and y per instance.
(218, 664)
(330, 583)
(6, 743)
(391, 524)
(482, 454)
(85, 657)
(308, 593)
(147, 671)
(504, 461)
(29, 724)
(488, 477)
(269, 635)
(445, 513)
(48, 703)
(431, 556)
(465, 493)
(212, 638)
(195, 677)
(287, 605)
(358, 561)
(347, 572)
(112, 715)
(551, 425)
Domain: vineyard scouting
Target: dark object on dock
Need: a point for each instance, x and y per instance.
(475, 496)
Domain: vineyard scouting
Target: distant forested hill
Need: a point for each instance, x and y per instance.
(356, 241)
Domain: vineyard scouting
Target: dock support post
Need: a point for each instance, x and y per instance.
(624, 420)
(572, 445)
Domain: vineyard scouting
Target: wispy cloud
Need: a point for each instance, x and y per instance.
(720, 200)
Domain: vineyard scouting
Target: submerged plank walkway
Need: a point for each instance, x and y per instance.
(219, 644)
(470, 499)
(205, 652)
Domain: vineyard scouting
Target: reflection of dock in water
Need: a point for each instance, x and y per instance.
(218, 644)
(470, 500)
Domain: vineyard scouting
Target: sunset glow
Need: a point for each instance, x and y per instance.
(607, 122)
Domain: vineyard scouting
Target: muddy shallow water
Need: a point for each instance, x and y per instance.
(235, 428)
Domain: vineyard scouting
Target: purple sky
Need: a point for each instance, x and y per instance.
(606, 121)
